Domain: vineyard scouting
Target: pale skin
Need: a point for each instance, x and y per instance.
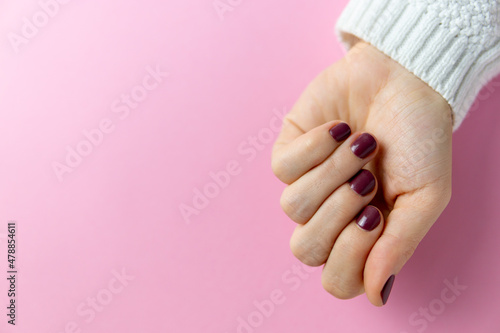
(412, 165)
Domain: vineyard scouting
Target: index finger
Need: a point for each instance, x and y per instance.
(293, 160)
(315, 106)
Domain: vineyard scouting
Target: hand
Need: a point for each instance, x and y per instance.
(411, 162)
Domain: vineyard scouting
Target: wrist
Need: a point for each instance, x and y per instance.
(454, 62)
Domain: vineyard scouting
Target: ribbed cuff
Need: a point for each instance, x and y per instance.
(455, 65)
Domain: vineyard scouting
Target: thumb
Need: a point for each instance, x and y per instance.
(410, 220)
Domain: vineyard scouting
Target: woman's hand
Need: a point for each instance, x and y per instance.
(408, 150)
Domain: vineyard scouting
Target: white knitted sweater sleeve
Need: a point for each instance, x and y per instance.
(452, 45)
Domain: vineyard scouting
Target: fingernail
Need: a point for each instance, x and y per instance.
(386, 291)
(369, 219)
(364, 145)
(363, 182)
(340, 132)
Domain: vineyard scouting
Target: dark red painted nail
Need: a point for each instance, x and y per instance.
(363, 182)
(340, 132)
(364, 145)
(369, 218)
(386, 291)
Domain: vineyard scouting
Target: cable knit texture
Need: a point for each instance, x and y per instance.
(452, 45)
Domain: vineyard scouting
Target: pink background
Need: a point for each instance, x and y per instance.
(120, 208)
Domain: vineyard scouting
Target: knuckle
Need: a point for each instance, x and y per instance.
(332, 169)
(331, 164)
(311, 149)
(306, 253)
(294, 205)
(310, 144)
(280, 169)
(342, 206)
(336, 286)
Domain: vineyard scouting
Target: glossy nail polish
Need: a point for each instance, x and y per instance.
(340, 132)
(364, 145)
(387, 289)
(363, 182)
(369, 218)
